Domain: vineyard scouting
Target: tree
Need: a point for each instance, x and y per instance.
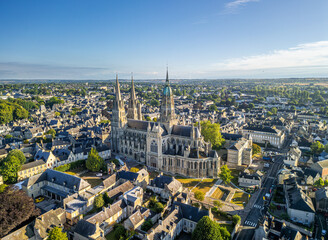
(147, 224)
(213, 107)
(211, 132)
(200, 196)
(15, 208)
(236, 219)
(319, 183)
(134, 169)
(207, 229)
(218, 204)
(159, 207)
(317, 147)
(293, 108)
(9, 168)
(107, 199)
(57, 234)
(99, 201)
(119, 231)
(326, 183)
(225, 174)
(94, 162)
(154, 103)
(326, 148)
(18, 154)
(274, 110)
(52, 132)
(256, 148)
(57, 114)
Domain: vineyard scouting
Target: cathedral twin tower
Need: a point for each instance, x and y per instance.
(163, 145)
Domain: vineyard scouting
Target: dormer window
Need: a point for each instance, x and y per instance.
(53, 179)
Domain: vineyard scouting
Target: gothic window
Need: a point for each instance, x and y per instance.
(154, 147)
(195, 165)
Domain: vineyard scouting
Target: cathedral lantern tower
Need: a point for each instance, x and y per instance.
(118, 120)
(133, 103)
(167, 107)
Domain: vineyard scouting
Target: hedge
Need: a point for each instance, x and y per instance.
(69, 166)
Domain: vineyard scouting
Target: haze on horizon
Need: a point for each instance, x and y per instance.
(209, 40)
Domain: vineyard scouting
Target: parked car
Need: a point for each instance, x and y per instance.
(99, 175)
(39, 199)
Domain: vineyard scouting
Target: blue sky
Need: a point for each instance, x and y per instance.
(94, 39)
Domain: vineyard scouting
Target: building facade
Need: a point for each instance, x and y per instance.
(162, 145)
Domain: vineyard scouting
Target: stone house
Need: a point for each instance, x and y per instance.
(165, 186)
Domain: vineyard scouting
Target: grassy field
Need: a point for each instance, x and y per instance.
(205, 185)
(239, 197)
(217, 194)
(188, 182)
(93, 181)
(111, 236)
(218, 217)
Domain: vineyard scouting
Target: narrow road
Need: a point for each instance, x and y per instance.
(257, 209)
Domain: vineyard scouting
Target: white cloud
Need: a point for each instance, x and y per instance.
(237, 3)
(309, 55)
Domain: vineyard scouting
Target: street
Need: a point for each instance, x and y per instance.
(257, 210)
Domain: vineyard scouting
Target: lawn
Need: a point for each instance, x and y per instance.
(205, 185)
(111, 236)
(94, 181)
(219, 217)
(188, 182)
(218, 193)
(239, 198)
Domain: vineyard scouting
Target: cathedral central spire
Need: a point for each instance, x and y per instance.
(167, 105)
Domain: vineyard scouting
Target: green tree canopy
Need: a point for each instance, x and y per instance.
(52, 132)
(9, 168)
(225, 174)
(317, 147)
(94, 162)
(256, 148)
(200, 196)
(236, 219)
(213, 107)
(57, 234)
(319, 183)
(17, 153)
(207, 229)
(99, 201)
(211, 132)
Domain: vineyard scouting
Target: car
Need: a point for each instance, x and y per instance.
(323, 232)
(39, 199)
(99, 175)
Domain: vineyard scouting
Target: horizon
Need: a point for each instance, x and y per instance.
(231, 39)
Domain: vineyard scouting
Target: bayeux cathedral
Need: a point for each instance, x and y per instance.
(164, 145)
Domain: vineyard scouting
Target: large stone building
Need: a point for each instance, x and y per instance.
(162, 145)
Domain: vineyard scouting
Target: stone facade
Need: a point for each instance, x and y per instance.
(164, 145)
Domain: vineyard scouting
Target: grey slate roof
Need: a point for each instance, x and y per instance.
(85, 228)
(59, 178)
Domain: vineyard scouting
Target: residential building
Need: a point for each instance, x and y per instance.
(55, 185)
(265, 135)
(165, 186)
